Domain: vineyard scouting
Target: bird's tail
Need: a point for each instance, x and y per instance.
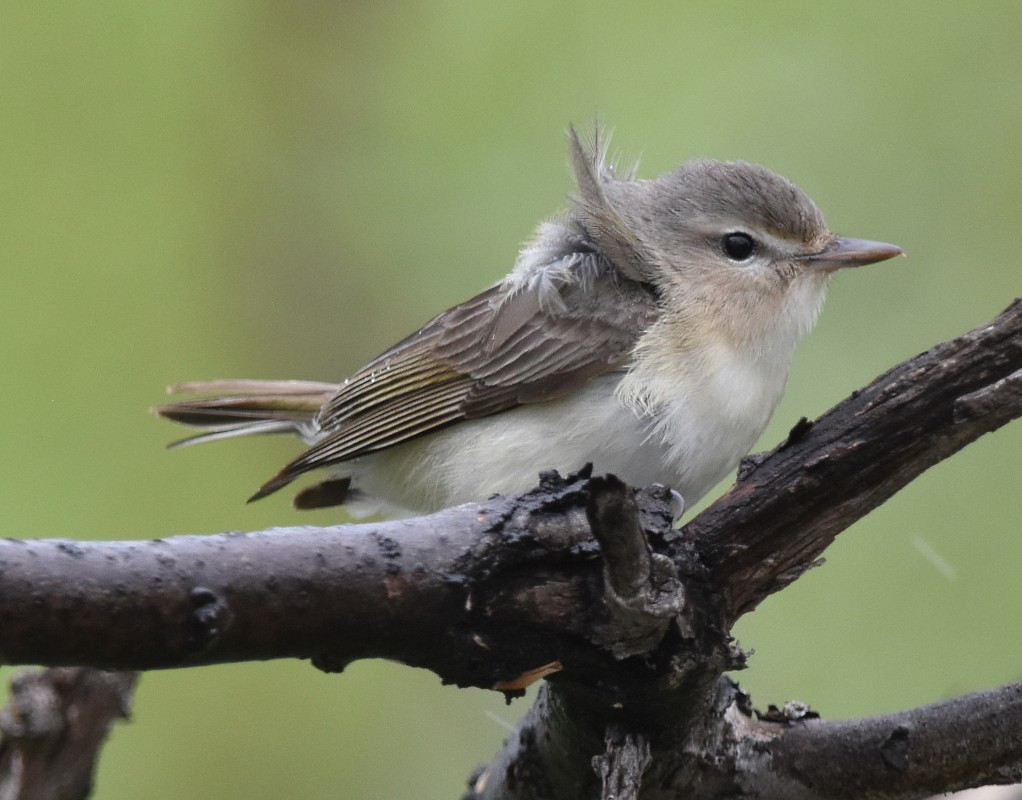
(244, 407)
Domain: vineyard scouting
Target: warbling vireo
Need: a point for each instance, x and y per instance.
(647, 330)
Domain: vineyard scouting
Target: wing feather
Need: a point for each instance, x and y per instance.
(504, 347)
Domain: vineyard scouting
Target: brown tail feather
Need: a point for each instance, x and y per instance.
(247, 402)
(245, 408)
(278, 481)
(253, 388)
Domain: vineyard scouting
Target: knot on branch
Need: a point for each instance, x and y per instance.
(642, 592)
(1000, 399)
(209, 617)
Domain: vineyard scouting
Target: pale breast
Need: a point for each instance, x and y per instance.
(505, 453)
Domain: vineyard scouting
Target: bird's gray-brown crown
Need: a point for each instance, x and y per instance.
(741, 191)
(643, 225)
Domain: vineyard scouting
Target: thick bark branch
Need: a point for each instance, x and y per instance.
(482, 594)
(964, 742)
(772, 527)
(967, 741)
(398, 589)
(463, 592)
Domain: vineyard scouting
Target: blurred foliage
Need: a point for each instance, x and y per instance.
(199, 190)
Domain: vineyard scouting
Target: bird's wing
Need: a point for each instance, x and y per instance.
(507, 346)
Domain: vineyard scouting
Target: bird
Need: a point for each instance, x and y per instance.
(647, 330)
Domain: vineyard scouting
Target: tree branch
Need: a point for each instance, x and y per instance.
(768, 530)
(469, 593)
(53, 726)
(486, 593)
(967, 741)
(401, 589)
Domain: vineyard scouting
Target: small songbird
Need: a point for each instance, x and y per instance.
(648, 330)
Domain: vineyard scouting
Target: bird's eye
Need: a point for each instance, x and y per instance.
(738, 246)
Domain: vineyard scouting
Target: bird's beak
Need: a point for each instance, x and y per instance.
(844, 252)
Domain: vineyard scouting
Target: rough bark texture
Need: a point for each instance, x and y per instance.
(585, 581)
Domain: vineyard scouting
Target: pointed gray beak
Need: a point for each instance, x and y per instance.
(844, 252)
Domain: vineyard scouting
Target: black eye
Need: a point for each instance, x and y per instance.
(738, 246)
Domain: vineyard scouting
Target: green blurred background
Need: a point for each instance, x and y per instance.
(251, 189)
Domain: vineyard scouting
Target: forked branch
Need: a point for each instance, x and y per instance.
(487, 593)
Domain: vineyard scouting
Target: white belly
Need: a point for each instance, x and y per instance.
(689, 444)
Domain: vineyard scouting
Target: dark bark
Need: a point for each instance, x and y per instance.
(968, 741)
(956, 744)
(477, 593)
(580, 577)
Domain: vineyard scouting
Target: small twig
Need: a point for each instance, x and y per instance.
(53, 726)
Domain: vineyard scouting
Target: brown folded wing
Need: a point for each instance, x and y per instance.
(489, 354)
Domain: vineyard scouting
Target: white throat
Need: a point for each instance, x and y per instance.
(709, 399)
